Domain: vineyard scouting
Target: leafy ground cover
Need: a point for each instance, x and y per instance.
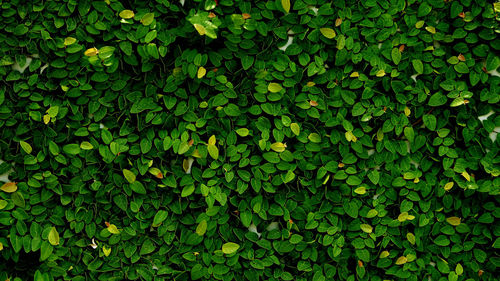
(249, 140)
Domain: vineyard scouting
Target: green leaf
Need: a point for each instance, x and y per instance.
(53, 236)
(327, 32)
(295, 128)
(396, 56)
(437, 99)
(461, 67)
(274, 87)
(201, 228)
(187, 190)
(243, 132)
(26, 147)
(314, 137)
(159, 218)
(127, 14)
(72, 148)
(129, 175)
(418, 66)
(230, 247)
(147, 19)
(213, 151)
(147, 247)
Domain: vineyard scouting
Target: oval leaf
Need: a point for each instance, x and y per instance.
(230, 247)
(53, 237)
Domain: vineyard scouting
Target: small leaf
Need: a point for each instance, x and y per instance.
(366, 228)
(26, 147)
(274, 87)
(213, 151)
(418, 66)
(187, 190)
(459, 270)
(286, 5)
(200, 28)
(127, 14)
(431, 29)
(53, 237)
(186, 165)
(212, 140)
(201, 72)
(360, 190)
(396, 56)
(91, 52)
(384, 254)
(106, 251)
(129, 175)
(327, 32)
(9, 187)
(243, 132)
(401, 260)
(201, 228)
(230, 247)
(454, 221)
(411, 238)
(113, 229)
(86, 145)
(380, 73)
(295, 128)
(278, 146)
(448, 186)
(69, 41)
(466, 175)
(314, 137)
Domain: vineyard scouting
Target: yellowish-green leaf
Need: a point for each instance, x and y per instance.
(401, 260)
(200, 28)
(53, 236)
(26, 147)
(384, 254)
(295, 128)
(274, 87)
(113, 229)
(201, 72)
(411, 238)
(380, 73)
(9, 187)
(459, 270)
(466, 175)
(349, 136)
(85, 145)
(1, 246)
(403, 217)
(278, 146)
(91, 52)
(230, 247)
(46, 119)
(69, 41)
(212, 140)
(243, 132)
(327, 32)
(366, 228)
(454, 221)
(3, 204)
(129, 175)
(419, 24)
(213, 151)
(201, 228)
(360, 190)
(431, 29)
(106, 251)
(127, 14)
(186, 165)
(286, 5)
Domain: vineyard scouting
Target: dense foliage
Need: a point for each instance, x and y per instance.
(249, 140)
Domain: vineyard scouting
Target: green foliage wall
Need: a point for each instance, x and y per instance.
(249, 140)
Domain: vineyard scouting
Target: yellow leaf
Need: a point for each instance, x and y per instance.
(355, 74)
(286, 5)
(127, 14)
(106, 251)
(274, 87)
(9, 187)
(419, 24)
(327, 32)
(201, 72)
(26, 147)
(349, 136)
(459, 269)
(69, 40)
(431, 29)
(278, 146)
(410, 217)
(411, 238)
(91, 52)
(384, 254)
(213, 151)
(200, 28)
(466, 175)
(46, 119)
(201, 228)
(401, 260)
(113, 229)
(448, 186)
(403, 217)
(310, 84)
(380, 73)
(196, 153)
(454, 221)
(186, 165)
(366, 228)
(212, 140)
(53, 236)
(360, 190)
(407, 111)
